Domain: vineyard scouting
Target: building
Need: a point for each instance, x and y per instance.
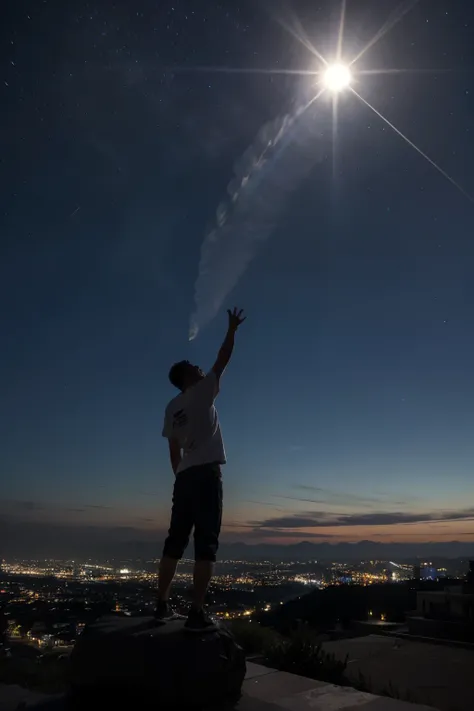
(446, 614)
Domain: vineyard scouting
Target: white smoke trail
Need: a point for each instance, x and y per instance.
(283, 153)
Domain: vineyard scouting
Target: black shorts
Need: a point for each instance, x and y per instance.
(197, 502)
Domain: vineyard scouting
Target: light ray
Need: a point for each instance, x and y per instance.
(300, 29)
(392, 21)
(299, 34)
(416, 70)
(301, 111)
(418, 150)
(340, 37)
(246, 70)
(335, 119)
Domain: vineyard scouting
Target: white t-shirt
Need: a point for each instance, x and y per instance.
(191, 419)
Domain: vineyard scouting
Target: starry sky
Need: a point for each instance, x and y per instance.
(347, 410)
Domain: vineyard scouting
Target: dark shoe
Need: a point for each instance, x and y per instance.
(164, 612)
(199, 621)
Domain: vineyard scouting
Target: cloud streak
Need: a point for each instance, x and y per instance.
(283, 153)
(322, 519)
(288, 534)
(328, 495)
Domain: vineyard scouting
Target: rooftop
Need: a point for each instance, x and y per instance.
(434, 674)
(269, 690)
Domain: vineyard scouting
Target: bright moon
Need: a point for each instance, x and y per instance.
(337, 77)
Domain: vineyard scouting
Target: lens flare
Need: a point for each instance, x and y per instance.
(337, 77)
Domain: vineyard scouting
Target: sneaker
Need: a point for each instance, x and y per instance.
(199, 621)
(164, 612)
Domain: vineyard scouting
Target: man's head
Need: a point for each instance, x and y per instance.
(184, 375)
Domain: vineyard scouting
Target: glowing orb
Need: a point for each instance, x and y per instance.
(337, 77)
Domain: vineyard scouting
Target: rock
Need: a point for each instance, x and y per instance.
(13, 697)
(132, 659)
(51, 703)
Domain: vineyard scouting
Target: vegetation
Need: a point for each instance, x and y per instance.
(254, 639)
(298, 653)
(363, 683)
(301, 653)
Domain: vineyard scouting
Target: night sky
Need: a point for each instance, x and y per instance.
(347, 410)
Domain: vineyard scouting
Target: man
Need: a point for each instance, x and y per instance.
(196, 453)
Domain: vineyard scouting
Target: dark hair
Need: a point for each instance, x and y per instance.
(176, 374)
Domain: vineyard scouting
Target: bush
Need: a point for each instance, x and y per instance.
(301, 654)
(363, 683)
(252, 637)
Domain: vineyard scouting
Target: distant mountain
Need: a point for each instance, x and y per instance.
(347, 551)
(43, 540)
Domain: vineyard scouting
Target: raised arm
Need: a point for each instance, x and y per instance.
(236, 318)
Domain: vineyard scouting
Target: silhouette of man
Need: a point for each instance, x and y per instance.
(196, 452)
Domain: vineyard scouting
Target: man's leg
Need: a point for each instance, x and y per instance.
(175, 544)
(203, 570)
(207, 526)
(165, 577)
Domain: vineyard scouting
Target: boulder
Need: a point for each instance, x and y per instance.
(123, 660)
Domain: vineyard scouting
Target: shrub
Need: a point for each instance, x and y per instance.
(301, 653)
(363, 683)
(252, 637)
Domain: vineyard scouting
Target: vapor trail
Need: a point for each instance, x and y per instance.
(271, 168)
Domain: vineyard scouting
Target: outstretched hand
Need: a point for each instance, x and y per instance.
(236, 318)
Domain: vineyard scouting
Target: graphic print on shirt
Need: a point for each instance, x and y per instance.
(180, 420)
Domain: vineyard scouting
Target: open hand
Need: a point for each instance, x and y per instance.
(236, 318)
